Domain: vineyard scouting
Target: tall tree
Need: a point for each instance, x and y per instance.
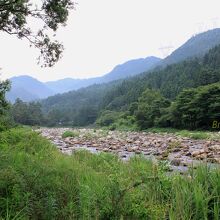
(4, 87)
(150, 108)
(17, 17)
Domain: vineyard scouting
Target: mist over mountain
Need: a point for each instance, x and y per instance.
(28, 89)
(125, 70)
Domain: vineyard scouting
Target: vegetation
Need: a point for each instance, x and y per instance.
(163, 97)
(4, 87)
(209, 135)
(151, 107)
(15, 20)
(38, 182)
(76, 108)
(192, 109)
(27, 113)
(70, 134)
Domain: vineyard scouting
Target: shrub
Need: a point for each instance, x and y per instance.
(70, 134)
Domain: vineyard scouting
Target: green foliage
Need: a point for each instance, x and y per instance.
(27, 113)
(197, 108)
(151, 106)
(38, 182)
(5, 119)
(105, 103)
(6, 122)
(76, 108)
(70, 134)
(107, 118)
(195, 135)
(186, 133)
(193, 109)
(15, 20)
(170, 81)
(4, 87)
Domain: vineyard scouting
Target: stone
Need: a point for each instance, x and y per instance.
(188, 154)
(176, 150)
(215, 148)
(217, 160)
(201, 156)
(113, 147)
(175, 162)
(198, 152)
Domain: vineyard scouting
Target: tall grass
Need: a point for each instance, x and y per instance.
(38, 182)
(186, 133)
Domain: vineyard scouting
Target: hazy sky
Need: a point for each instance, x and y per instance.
(103, 33)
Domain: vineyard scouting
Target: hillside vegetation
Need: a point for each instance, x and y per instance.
(189, 89)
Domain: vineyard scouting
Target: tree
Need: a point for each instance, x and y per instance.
(17, 17)
(151, 106)
(27, 113)
(197, 108)
(4, 87)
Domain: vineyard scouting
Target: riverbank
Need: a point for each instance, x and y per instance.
(39, 182)
(178, 150)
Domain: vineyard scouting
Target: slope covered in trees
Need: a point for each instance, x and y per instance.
(122, 71)
(76, 108)
(169, 81)
(83, 107)
(28, 88)
(197, 46)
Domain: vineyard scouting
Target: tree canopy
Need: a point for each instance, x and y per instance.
(17, 18)
(4, 87)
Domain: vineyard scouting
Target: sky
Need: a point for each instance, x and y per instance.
(101, 34)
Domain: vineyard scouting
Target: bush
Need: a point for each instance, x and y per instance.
(6, 122)
(107, 118)
(70, 134)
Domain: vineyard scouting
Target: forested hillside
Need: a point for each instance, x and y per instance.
(122, 71)
(170, 81)
(122, 101)
(77, 107)
(197, 46)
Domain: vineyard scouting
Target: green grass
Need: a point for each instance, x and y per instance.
(70, 134)
(38, 182)
(186, 133)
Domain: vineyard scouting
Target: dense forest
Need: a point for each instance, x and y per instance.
(147, 100)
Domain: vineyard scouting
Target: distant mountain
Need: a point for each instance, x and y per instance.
(132, 68)
(69, 84)
(196, 46)
(27, 89)
(125, 70)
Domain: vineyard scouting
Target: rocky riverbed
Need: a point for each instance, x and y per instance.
(181, 152)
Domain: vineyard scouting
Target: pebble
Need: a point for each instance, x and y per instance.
(164, 146)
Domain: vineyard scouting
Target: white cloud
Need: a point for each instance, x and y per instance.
(103, 33)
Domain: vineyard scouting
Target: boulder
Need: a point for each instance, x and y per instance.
(175, 162)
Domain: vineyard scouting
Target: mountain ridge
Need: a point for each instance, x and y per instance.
(196, 46)
(121, 71)
(27, 88)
